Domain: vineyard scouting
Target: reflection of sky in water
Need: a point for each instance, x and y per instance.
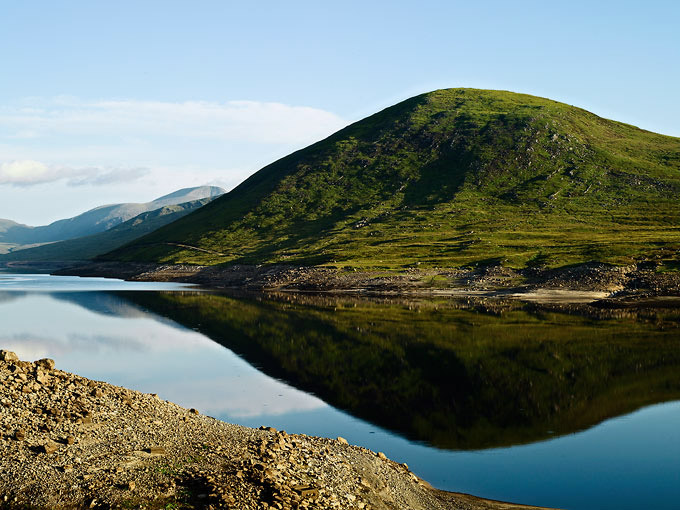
(630, 462)
(42, 282)
(627, 463)
(145, 354)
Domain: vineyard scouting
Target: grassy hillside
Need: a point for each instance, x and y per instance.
(449, 178)
(88, 247)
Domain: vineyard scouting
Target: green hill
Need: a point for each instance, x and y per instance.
(449, 178)
(88, 247)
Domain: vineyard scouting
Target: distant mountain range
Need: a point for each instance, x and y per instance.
(99, 230)
(88, 247)
(98, 219)
(451, 178)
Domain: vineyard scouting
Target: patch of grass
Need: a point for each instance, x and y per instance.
(450, 178)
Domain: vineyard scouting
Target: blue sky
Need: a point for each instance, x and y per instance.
(125, 101)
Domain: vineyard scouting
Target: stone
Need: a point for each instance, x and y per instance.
(70, 440)
(49, 447)
(306, 491)
(342, 440)
(382, 456)
(193, 411)
(8, 356)
(131, 485)
(20, 434)
(155, 450)
(47, 363)
(98, 393)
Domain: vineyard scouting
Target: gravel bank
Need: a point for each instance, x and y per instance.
(578, 284)
(68, 442)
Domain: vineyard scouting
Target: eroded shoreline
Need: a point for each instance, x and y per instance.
(605, 285)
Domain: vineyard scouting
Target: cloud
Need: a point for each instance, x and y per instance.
(68, 154)
(29, 173)
(25, 172)
(235, 121)
(103, 176)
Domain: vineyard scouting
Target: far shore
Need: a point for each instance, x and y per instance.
(600, 284)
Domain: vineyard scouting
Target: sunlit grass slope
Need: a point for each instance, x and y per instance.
(449, 178)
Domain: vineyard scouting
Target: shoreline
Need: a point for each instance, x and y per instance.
(599, 284)
(70, 442)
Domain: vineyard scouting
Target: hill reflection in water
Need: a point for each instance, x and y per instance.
(455, 375)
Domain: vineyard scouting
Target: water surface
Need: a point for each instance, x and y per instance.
(515, 403)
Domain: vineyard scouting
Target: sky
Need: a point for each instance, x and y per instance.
(107, 102)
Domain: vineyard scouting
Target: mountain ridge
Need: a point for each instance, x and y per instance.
(96, 220)
(87, 247)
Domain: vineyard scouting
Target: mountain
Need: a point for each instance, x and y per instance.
(88, 247)
(96, 220)
(454, 177)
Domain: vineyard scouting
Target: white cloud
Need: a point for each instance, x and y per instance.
(69, 154)
(236, 121)
(30, 173)
(24, 172)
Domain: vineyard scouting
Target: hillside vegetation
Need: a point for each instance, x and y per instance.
(450, 178)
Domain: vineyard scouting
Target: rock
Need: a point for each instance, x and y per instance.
(342, 440)
(193, 411)
(382, 456)
(155, 450)
(306, 491)
(98, 393)
(49, 447)
(20, 434)
(46, 363)
(8, 356)
(70, 440)
(131, 485)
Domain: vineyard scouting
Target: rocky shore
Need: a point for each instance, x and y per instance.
(584, 283)
(67, 442)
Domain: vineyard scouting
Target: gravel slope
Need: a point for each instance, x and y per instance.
(67, 442)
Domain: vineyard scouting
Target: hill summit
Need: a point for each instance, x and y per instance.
(449, 178)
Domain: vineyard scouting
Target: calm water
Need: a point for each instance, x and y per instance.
(510, 403)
